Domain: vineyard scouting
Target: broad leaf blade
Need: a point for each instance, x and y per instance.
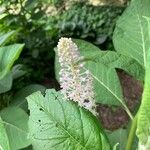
(4, 142)
(110, 59)
(15, 122)
(106, 84)
(113, 60)
(55, 124)
(131, 33)
(8, 55)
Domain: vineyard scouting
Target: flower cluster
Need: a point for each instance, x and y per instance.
(76, 83)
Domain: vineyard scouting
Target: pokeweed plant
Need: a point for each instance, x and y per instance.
(57, 122)
(67, 119)
(72, 127)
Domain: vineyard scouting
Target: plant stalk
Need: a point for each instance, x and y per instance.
(132, 133)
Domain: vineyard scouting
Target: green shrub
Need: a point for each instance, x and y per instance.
(95, 24)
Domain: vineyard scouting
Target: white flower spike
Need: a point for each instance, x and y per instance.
(76, 83)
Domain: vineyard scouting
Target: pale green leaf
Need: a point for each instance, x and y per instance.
(106, 84)
(4, 142)
(131, 33)
(8, 55)
(14, 123)
(143, 124)
(57, 124)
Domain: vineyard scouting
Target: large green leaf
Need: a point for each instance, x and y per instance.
(111, 59)
(143, 125)
(8, 54)
(102, 65)
(131, 33)
(5, 37)
(13, 129)
(4, 142)
(56, 124)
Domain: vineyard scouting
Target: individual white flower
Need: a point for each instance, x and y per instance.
(76, 83)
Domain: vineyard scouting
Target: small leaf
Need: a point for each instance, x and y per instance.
(14, 123)
(18, 71)
(8, 55)
(57, 124)
(4, 142)
(6, 83)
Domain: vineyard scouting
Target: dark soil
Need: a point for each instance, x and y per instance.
(115, 118)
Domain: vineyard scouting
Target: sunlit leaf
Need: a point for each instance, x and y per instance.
(57, 124)
(8, 55)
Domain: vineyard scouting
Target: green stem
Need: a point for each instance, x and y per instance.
(132, 133)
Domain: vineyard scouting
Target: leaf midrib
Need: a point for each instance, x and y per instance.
(113, 94)
(66, 131)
